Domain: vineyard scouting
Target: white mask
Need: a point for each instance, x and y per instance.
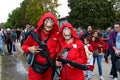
(67, 33)
(48, 24)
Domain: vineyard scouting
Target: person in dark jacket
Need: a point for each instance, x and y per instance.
(87, 34)
(10, 37)
(114, 48)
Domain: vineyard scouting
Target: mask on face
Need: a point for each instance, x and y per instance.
(67, 33)
(48, 24)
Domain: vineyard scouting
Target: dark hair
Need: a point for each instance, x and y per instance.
(118, 23)
(86, 39)
(97, 38)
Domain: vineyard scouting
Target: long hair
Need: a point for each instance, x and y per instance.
(96, 38)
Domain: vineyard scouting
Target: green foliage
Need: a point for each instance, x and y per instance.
(14, 18)
(36, 8)
(30, 11)
(97, 13)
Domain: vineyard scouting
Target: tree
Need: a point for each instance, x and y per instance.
(14, 19)
(36, 8)
(30, 11)
(97, 13)
(1, 25)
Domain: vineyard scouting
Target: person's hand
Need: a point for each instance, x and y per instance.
(99, 45)
(117, 52)
(34, 49)
(58, 63)
(70, 65)
(93, 38)
(107, 38)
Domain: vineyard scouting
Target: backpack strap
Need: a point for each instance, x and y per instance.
(36, 37)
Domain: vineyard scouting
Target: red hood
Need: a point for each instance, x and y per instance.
(41, 22)
(72, 30)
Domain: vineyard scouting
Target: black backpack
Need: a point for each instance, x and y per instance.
(24, 37)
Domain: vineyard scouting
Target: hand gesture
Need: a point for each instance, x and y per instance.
(117, 52)
(93, 38)
(34, 49)
(58, 63)
(99, 45)
(70, 65)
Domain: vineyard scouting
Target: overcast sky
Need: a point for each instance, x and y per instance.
(6, 6)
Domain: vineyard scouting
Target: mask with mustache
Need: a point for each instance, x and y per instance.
(67, 33)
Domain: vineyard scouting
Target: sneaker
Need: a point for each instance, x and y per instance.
(115, 79)
(111, 76)
(101, 78)
(86, 75)
(92, 74)
(89, 79)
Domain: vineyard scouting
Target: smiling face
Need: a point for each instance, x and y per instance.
(117, 27)
(95, 34)
(67, 33)
(48, 24)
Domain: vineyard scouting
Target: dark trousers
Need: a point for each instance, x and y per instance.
(9, 47)
(114, 58)
(107, 53)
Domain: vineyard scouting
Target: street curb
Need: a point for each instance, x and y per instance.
(0, 68)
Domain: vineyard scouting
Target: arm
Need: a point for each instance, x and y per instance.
(112, 40)
(105, 38)
(82, 58)
(101, 45)
(30, 46)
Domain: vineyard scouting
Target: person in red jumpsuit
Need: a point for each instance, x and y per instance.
(69, 39)
(47, 26)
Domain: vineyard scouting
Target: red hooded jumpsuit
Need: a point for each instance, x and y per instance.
(52, 44)
(76, 54)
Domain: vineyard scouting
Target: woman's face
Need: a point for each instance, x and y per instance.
(95, 34)
(67, 33)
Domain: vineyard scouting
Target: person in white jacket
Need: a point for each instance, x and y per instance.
(88, 50)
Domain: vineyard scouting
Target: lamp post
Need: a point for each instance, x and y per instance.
(59, 20)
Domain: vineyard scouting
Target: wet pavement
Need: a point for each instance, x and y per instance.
(0, 68)
(20, 68)
(14, 67)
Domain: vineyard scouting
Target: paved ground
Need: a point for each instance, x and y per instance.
(106, 67)
(0, 67)
(106, 71)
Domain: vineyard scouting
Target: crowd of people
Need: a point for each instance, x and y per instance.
(78, 46)
(9, 37)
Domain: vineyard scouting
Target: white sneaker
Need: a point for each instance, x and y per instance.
(101, 78)
(115, 79)
(92, 74)
(111, 76)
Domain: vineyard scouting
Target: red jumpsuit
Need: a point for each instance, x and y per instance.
(32, 75)
(76, 54)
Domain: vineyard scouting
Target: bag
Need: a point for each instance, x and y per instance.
(30, 58)
(39, 67)
(117, 65)
(13, 48)
(95, 53)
